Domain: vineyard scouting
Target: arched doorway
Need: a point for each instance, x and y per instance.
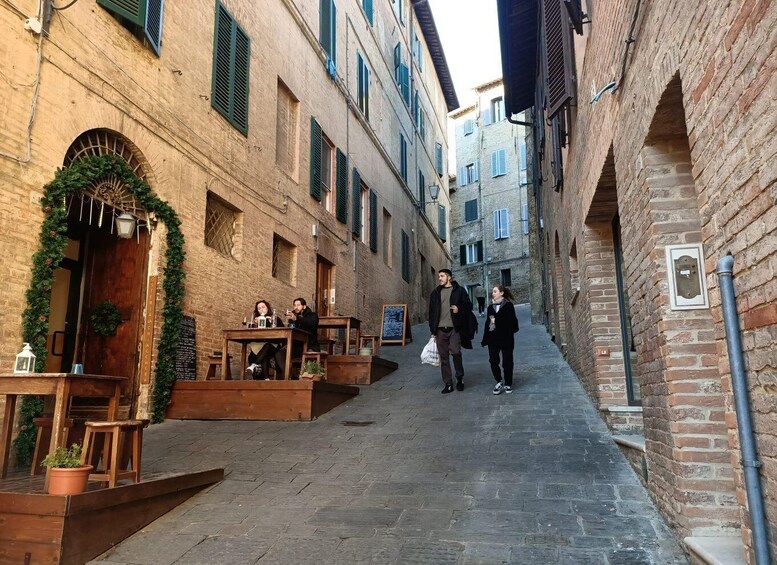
(101, 272)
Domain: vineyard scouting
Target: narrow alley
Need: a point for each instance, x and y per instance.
(403, 474)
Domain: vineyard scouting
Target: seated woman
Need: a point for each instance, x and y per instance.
(260, 353)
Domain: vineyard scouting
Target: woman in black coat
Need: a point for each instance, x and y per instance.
(501, 325)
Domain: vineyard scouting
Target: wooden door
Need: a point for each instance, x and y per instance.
(324, 287)
(115, 271)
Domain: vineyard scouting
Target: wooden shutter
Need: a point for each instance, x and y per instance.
(462, 254)
(479, 247)
(556, 157)
(397, 63)
(356, 203)
(422, 190)
(325, 23)
(342, 187)
(438, 158)
(442, 223)
(368, 11)
(403, 157)
(502, 158)
(559, 60)
(494, 164)
(470, 210)
(242, 62)
(404, 80)
(462, 176)
(360, 81)
(487, 117)
(222, 49)
(153, 24)
(132, 10)
(497, 224)
(504, 223)
(475, 172)
(315, 159)
(373, 221)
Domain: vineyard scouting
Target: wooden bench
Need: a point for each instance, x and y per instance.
(116, 434)
(215, 362)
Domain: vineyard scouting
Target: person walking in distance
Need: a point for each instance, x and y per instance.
(450, 310)
(480, 296)
(501, 326)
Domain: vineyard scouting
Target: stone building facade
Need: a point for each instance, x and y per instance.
(490, 210)
(290, 139)
(655, 141)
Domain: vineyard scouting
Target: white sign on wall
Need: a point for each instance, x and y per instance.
(687, 283)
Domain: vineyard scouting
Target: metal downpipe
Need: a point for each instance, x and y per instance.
(750, 461)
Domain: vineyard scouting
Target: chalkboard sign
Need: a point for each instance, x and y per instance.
(395, 324)
(186, 356)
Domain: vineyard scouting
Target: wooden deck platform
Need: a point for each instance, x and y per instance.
(43, 528)
(358, 369)
(299, 400)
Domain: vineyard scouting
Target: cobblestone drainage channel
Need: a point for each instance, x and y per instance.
(357, 423)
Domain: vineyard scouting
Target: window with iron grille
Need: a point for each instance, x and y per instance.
(284, 259)
(220, 225)
(287, 130)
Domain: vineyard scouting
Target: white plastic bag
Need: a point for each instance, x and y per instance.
(429, 355)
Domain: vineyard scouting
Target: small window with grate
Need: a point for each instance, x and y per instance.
(284, 260)
(221, 224)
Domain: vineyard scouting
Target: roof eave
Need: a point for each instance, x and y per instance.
(426, 22)
(518, 41)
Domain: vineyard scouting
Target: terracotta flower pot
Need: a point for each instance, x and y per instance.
(69, 481)
(311, 377)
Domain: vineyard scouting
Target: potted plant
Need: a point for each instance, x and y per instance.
(312, 370)
(66, 473)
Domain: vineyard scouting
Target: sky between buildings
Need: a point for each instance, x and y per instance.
(469, 32)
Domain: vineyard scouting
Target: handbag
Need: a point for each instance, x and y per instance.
(430, 355)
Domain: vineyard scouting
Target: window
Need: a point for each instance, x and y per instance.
(506, 277)
(367, 7)
(499, 163)
(468, 174)
(525, 218)
(558, 56)
(438, 157)
(501, 224)
(471, 210)
(469, 127)
(442, 223)
(356, 203)
(284, 259)
(574, 276)
(401, 74)
(403, 157)
(328, 33)
(422, 123)
(231, 57)
(327, 174)
(397, 63)
(341, 182)
(366, 216)
(387, 255)
(141, 15)
(286, 130)
(522, 160)
(422, 191)
(373, 221)
(405, 240)
(220, 225)
(363, 86)
(471, 253)
(497, 109)
(399, 9)
(418, 52)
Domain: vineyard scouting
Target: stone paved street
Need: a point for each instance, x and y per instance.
(532, 477)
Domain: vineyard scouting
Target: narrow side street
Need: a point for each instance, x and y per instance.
(403, 474)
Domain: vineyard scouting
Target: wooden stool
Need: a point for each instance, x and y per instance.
(43, 440)
(320, 356)
(215, 362)
(374, 343)
(115, 435)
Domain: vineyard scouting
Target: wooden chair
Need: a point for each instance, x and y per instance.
(42, 442)
(373, 341)
(320, 356)
(215, 362)
(116, 433)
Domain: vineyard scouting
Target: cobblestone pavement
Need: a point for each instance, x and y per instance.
(531, 477)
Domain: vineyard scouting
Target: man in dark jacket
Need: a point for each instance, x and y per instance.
(304, 318)
(450, 310)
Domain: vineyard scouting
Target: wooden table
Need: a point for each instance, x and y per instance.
(62, 386)
(244, 336)
(347, 322)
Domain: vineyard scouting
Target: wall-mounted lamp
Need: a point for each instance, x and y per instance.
(434, 193)
(125, 225)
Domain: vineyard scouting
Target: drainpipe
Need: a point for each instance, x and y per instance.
(750, 461)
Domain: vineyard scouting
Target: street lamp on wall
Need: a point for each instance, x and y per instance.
(125, 225)
(434, 193)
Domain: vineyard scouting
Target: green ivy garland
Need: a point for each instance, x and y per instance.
(53, 239)
(105, 319)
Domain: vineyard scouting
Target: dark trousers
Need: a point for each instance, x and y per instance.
(506, 349)
(481, 304)
(449, 343)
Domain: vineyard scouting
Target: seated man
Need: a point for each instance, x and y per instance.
(305, 319)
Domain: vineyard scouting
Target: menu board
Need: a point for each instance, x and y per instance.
(395, 324)
(186, 355)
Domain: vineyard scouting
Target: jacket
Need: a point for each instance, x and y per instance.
(308, 320)
(506, 324)
(461, 319)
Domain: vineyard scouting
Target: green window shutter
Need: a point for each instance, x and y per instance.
(422, 191)
(463, 254)
(373, 221)
(315, 159)
(342, 187)
(442, 223)
(333, 32)
(222, 47)
(356, 203)
(325, 23)
(131, 10)
(479, 246)
(240, 65)
(403, 157)
(153, 24)
(405, 256)
(397, 63)
(404, 82)
(368, 11)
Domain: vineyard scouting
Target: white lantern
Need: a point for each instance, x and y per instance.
(25, 360)
(125, 225)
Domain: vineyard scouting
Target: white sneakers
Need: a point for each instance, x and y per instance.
(500, 388)
(250, 368)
